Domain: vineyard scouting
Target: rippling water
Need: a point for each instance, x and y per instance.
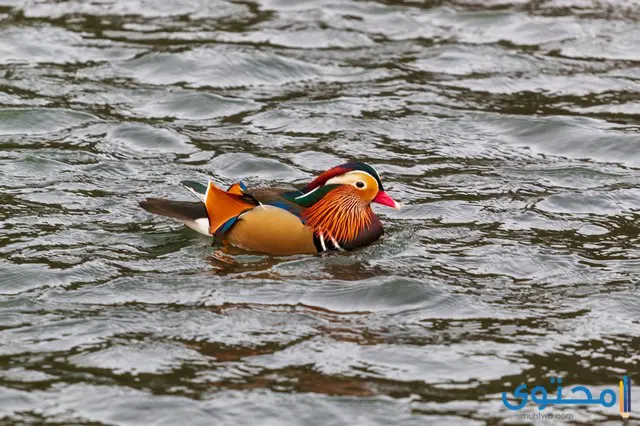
(509, 130)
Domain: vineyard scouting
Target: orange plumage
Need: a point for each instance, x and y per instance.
(340, 215)
(222, 205)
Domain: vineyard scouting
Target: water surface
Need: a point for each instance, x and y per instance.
(508, 129)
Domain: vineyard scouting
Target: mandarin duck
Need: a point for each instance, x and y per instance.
(332, 212)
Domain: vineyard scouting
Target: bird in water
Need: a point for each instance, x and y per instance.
(332, 212)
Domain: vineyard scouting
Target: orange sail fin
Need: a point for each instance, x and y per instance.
(222, 206)
(236, 188)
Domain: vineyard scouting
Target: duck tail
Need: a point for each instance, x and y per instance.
(217, 209)
(191, 213)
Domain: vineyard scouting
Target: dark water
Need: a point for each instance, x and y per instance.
(510, 131)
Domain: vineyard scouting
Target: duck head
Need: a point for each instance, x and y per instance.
(359, 179)
(337, 205)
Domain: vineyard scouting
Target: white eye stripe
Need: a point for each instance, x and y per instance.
(338, 179)
(362, 172)
(374, 169)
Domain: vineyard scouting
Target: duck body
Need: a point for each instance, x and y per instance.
(332, 212)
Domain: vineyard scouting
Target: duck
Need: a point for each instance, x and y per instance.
(331, 213)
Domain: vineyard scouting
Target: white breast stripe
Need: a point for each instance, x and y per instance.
(324, 246)
(336, 245)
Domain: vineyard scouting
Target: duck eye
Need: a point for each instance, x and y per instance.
(360, 184)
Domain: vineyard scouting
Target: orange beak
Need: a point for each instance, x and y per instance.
(384, 199)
